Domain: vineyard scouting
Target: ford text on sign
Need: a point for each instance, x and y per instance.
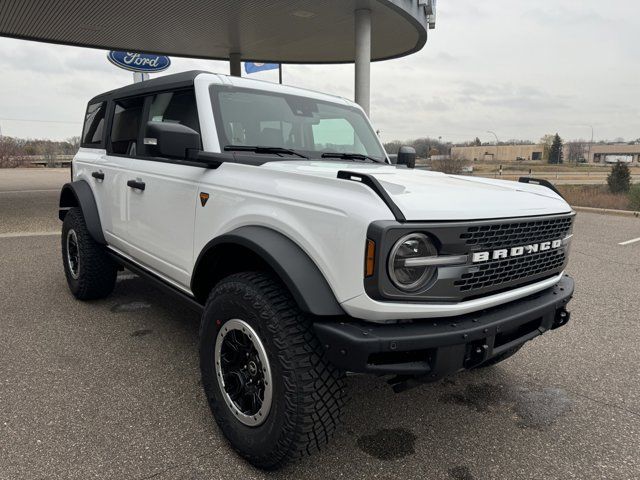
(139, 62)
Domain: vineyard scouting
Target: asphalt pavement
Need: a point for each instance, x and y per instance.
(111, 389)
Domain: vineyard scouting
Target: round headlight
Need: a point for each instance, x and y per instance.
(411, 276)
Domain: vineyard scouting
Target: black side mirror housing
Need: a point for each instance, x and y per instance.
(407, 156)
(172, 140)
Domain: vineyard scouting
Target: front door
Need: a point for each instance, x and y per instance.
(162, 196)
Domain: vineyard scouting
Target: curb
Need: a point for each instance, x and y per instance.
(607, 211)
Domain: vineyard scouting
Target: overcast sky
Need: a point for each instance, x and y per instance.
(519, 68)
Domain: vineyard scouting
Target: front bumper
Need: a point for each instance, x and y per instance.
(434, 348)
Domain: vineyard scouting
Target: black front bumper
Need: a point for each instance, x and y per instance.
(434, 348)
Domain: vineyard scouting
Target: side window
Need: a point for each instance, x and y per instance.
(126, 126)
(93, 129)
(175, 107)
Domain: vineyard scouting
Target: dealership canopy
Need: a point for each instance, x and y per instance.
(279, 31)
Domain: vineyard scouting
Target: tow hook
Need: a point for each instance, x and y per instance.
(562, 318)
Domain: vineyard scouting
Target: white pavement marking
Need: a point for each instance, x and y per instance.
(633, 240)
(28, 234)
(31, 191)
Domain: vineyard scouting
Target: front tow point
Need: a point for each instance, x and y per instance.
(562, 318)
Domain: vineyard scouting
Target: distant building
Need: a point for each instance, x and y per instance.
(598, 153)
(499, 153)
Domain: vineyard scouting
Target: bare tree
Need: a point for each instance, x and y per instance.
(74, 143)
(546, 142)
(452, 164)
(576, 151)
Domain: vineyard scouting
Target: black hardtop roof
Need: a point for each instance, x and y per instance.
(168, 82)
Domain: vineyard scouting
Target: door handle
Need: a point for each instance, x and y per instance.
(137, 184)
(98, 175)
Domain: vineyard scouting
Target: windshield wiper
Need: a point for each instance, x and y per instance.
(259, 149)
(350, 156)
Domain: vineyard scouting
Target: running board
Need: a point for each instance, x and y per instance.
(190, 301)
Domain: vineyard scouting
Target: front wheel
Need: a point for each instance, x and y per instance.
(269, 386)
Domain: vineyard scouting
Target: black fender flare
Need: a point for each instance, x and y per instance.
(299, 273)
(79, 194)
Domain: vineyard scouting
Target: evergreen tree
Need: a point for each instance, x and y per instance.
(555, 152)
(619, 179)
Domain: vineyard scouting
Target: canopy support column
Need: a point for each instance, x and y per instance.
(235, 65)
(363, 58)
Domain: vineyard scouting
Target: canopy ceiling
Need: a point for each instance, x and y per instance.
(287, 31)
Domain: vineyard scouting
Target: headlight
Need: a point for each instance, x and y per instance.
(411, 275)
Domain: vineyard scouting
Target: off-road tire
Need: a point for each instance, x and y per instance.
(500, 358)
(308, 392)
(96, 276)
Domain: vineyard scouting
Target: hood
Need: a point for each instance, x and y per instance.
(424, 195)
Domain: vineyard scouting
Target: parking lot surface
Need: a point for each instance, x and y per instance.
(111, 388)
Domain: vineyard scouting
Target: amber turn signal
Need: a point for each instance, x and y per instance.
(369, 259)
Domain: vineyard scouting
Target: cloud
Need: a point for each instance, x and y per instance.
(511, 67)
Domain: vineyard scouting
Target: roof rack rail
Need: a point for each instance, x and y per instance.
(374, 185)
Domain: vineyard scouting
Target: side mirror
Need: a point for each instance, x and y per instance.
(407, 156)
(164, 139)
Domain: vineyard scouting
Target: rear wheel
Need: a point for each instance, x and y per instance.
(90, 272)
(269, 386)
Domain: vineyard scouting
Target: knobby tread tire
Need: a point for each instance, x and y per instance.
(313, 390)
(97, 271)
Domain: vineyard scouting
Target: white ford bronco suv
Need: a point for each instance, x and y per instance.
(276, 213)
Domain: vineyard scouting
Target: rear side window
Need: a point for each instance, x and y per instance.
(93, 131)
(125, 128)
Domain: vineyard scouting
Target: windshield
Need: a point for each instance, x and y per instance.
(247, 117)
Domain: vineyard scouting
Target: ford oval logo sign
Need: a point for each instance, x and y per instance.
(139, 62)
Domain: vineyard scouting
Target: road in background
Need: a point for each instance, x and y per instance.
(111, 388)
(29, 199)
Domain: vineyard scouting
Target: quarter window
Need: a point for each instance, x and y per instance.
(94, 125)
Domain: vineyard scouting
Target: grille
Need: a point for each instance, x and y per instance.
(516, 233)
(498, 272)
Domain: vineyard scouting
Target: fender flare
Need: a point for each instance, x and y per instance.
(79, 194)
(296, 269)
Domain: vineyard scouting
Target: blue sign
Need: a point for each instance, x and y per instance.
(253, 67)
(139, 62)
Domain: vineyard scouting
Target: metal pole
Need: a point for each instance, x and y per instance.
(280, 73)
(363, 59)
(497, 142)
(140, 77)
(590, 143)
(235, 65)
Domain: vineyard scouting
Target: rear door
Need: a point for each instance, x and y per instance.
(125, 117)
(162, 201)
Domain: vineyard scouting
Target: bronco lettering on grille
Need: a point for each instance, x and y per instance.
(515, 251)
